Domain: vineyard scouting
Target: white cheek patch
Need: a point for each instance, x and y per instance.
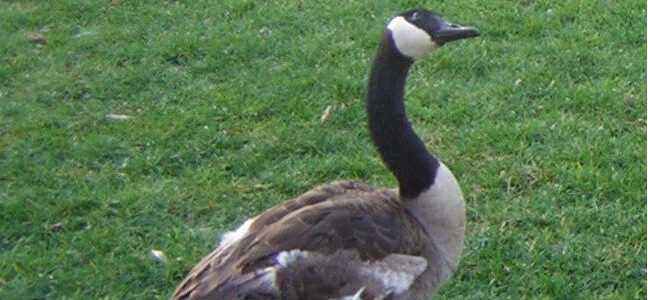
(409, 39)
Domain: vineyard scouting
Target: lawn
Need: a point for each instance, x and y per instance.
(132, 126)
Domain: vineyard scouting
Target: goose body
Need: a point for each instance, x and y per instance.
(347, 240)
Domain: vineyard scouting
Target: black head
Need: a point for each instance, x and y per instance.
(419, 31)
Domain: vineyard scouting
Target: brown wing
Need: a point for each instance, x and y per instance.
(317, 195)
(371, 222)
(346, 215)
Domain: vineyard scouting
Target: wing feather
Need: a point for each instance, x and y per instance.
(345, 216)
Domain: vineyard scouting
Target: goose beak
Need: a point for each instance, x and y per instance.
(449, 32)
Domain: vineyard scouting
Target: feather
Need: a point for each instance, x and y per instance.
(295, 249)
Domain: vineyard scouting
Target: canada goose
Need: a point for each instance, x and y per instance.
(347, 240)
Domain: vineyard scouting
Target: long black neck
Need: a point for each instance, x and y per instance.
(399, 146)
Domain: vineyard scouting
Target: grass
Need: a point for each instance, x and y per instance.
(542, 119)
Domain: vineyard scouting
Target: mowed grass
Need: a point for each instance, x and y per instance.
(542, 119)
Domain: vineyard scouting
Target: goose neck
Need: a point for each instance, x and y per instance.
(400, 148)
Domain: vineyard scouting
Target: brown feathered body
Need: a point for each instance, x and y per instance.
(340, 240)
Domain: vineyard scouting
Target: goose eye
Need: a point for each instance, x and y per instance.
(415, 16)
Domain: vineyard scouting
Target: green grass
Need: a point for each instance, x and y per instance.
(542, 119)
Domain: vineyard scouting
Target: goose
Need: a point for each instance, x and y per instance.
(348, 240)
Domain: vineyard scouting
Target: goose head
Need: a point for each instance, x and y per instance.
(418, 32)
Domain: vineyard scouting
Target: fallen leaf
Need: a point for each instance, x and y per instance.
(36, 38)
(56, 227)
(326, 114)
(265, 31)
(117, 117)
(158, 256)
